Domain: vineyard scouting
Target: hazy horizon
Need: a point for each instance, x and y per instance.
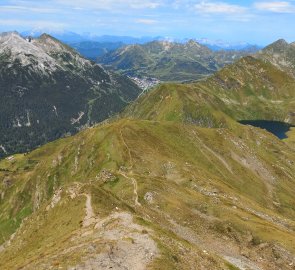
(230, 21)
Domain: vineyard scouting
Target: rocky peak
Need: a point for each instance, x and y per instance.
(8, 34)
(194, 45)
(192, 42)
(45, 53)
(13, 41)
(166, 45)
(281, 42)
(278, 45)
(23, 50)
(281, 54)
(50, 45)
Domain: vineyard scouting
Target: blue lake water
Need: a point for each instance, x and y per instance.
(277, 128)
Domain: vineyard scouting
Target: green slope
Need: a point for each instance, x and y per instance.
(175, 183)
(169, 61)
(188, 189)
(248, 89)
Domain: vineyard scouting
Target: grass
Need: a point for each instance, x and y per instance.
(228, 180)
(291, 137)
(237, 92)
(180, 164)
(232, 267)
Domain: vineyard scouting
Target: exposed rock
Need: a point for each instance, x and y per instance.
(106, 176)
(149, 197)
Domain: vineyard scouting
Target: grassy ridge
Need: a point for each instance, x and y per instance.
(208, 192)
(224, 181)
(249, 89)
(169, 61)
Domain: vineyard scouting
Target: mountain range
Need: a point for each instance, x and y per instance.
(169, 61)
(172, 182)
(48, 90)
(93, 46)
(218, 45)
(72, 37)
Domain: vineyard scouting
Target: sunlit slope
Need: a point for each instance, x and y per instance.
(146, 194)
(248, 89)
(281, 54)
(170, 61)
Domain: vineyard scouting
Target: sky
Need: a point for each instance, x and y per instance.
(255, 21)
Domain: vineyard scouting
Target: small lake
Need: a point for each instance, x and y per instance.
(277, 128)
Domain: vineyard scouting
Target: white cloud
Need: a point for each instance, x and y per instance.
(206, 7)
(111, 4)
(27, 9)
(146, 21)
(34, 24)
(180, 4)
(277, 7)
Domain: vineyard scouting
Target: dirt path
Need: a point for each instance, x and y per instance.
(133, 180)
(126, 247)
(135, 191)
(128, 150)
(135, 188)
(90, 216)
(242, 263)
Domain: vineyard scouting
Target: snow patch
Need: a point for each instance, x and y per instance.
(16, 123)
(166, 45)
(3, 149)
(55, 111)
(77, 120)
(28, 124)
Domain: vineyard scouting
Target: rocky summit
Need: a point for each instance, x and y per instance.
(49, 91)
(281, 54)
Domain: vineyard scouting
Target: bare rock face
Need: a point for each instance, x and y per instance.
(281, 54)
(48, 90)
(149, 197)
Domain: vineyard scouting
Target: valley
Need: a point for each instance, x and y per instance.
(162, 178)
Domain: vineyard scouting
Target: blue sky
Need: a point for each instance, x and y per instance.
(258, 21)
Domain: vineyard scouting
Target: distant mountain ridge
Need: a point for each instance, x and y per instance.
(281, 54)
(169, 61)
(48, 90)
(230, 46)
(72, 37)
(93, 46)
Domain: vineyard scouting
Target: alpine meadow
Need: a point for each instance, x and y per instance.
(147, 135)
